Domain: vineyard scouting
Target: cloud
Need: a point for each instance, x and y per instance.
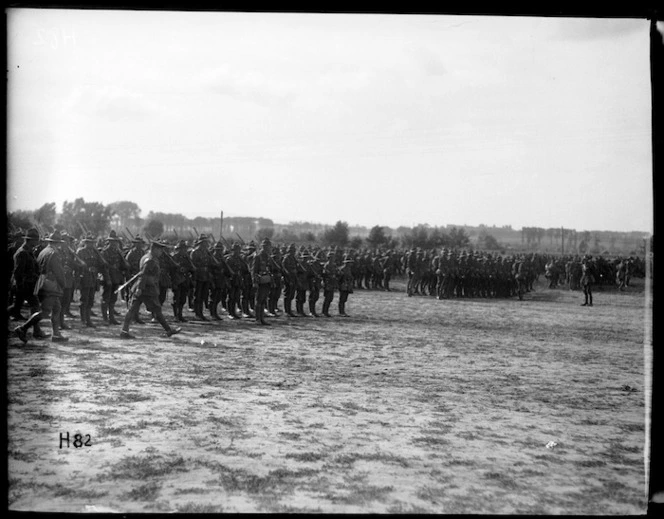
(253, 86)
(110, 102)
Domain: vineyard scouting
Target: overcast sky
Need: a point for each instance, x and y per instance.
(371, 119)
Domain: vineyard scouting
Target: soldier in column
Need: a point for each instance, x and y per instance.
(330, 282)
(133, 257)
(181, 279)
(277, 283)
(88, 253)
(48, 289)
(289, 269)
(236, 264)
(345, 284)
(302, 283)
(315, 278)
(248, 293)
(145, 291)
(262, 280)
(25, 274)
(114, 276)
(201, 259)
(220, 274)
(73, 267)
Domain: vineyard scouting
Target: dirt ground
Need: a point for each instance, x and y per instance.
(412, 405)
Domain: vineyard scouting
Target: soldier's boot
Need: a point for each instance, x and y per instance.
(342, 309)
(288, 309)
(590, 299)
(312, 309)
(63, 325)
(260, 314)
(81, 311)
(85, 316)
(104, 311)
(300, 309)
(37, 332)
(57, 336)
(111, 315)
(326, 309)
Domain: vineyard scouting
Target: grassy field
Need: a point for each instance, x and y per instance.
(411, 405)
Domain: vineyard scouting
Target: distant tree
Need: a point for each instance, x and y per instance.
(265, 232)
(487, 241)
(45, 215)
(154, 228)
(356, 243)
(20, 220)
(308, 237)
(376, 236)
(94, 216)
(125, 212)
(287, 236)
(337, 235)
(459, 238)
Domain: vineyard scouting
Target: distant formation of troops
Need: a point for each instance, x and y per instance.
(246, 280)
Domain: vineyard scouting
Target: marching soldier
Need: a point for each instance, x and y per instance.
(237, 265)
(89, 254)
(345, 284)
(248, 292)
(72, 266)
(289, 268)
(330, 282)
(48, 289)
(133, 257)
(181, 279)
(201, 259)
(302, 283)
(146, 291)
(114, 275)
(315, 277)
(262, 280)
(25, 274)
(219, 274)
(275, 290)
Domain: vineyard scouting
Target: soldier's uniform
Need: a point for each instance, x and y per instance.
(330, 282)
(277, 283)
(25, 274)
(146, 291)
(114, 276)
(201, 260)
(315, 278)
(72, 266)
(345, 284)
(237, 264)
(289, 269)
(181, 279)
(220, 275)
(588, 278)
(302, 283)
(387, 265)
(48, 289)
(248, 291)
(262, 280)
(89, 281)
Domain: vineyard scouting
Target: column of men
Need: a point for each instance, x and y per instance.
(241, 281)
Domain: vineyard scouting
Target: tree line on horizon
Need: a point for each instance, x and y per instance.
(79, 217)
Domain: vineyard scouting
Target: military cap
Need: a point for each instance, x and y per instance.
(137, 239)
(55, 237)
(32, 234)
(218, 245)
(67, 236)
(237, 246)
(159, 243)
(89, 238)
(181, 245)
(113, 236)
(265, 242)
